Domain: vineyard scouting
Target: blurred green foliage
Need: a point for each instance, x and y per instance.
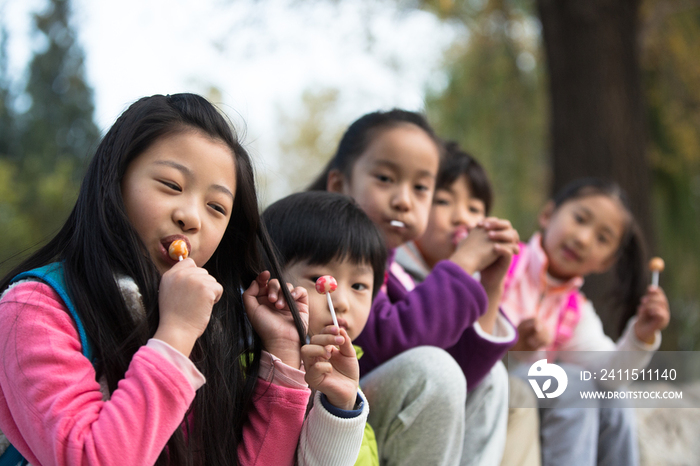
(494, 104)
(46, 135)
(671, 72)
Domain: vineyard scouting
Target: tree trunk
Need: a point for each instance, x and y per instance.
(597, 108)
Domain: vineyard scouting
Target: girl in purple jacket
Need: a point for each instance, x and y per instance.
(388, 162)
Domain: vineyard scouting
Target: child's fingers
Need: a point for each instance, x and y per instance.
(219, 292)
(346, 348)
(654, 298)
(313, 351)
(258, 287)
(273, 290)
(327, 339)
(494, 223)
(508, 235)
(508, 250)
(262, 278)
(252, 290)
(274, 293)
(656, 293)
(331, 329)
(654, 301)
(300, 295)
(654, 310)
(321, 368)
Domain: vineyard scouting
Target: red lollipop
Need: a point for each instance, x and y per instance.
(326, 284)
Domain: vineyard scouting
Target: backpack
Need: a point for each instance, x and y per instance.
(53, 276)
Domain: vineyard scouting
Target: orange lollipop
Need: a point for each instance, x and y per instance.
(656, 265)
(178, 250)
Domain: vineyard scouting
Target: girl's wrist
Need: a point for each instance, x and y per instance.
(180, 339)
(342, 402)
(464, 263)
(289, 356)
(644, 336)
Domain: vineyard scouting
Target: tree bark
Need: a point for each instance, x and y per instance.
(597, 106)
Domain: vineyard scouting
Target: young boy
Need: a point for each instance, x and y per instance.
(463, 198)
(320, 233)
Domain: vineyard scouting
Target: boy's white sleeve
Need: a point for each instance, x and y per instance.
(329, 440)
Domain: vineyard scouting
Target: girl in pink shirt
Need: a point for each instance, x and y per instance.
(587, 228)
(182, 367)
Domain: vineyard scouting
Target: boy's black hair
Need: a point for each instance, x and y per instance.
(457, 162)
(630, 268)
(359, 136)
(319, 226)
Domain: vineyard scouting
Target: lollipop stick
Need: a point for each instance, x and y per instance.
(656, 265)
(179, 259)
(330, 306)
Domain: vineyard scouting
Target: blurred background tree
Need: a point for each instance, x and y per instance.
(46, 136)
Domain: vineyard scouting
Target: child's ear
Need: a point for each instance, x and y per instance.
(546, 214)
(335, 181)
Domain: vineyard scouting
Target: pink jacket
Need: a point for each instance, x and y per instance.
(52, 410)
(531, 292)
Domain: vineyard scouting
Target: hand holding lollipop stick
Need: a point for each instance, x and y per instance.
(656, 265)
(326, 284)
(178, 250)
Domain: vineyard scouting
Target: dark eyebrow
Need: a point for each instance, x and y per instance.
(586, 211)
(175, 165)
(609, 231)
(187, 172)
(223, 189)
(605, 228)
(395, 166)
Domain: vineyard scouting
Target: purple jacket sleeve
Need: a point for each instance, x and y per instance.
(436, 313)
(440, 312)
(476, 355)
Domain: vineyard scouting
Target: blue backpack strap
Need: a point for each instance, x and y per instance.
(52, 275)
(11, 457)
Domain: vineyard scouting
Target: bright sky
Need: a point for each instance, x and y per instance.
(261, 55)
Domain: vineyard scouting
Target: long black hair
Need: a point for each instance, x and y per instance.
(630, 267)
(318, 227)
(98, 241)
(359, 136)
